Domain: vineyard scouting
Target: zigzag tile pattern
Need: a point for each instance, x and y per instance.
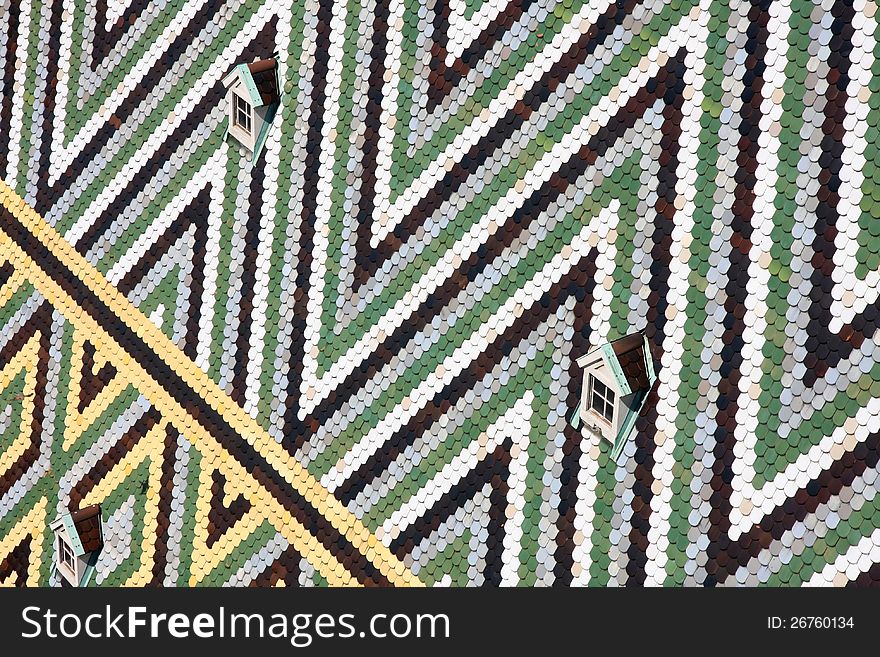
(352, 361)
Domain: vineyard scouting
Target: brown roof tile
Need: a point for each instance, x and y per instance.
(265, 77)
(88, 525)
(262, 65)
(630, 352)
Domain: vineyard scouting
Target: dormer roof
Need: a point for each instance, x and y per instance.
(631, 364)
(260, 80)
(630, 361)
(83, 528)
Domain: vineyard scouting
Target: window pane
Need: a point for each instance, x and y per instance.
(242, 113)
(601, 398)
(66, 553)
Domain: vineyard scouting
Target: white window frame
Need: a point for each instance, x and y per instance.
(66, 555)
(607, 401)
(238, 111)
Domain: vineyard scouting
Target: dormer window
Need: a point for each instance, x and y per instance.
(618, 377)
(601, 399)
(242, 113)
(79, 537)
(253, 96)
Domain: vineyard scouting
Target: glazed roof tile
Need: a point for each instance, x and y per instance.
(352, 356)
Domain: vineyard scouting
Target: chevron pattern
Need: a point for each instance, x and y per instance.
(352, 360)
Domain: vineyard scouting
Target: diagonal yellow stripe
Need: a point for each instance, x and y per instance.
(33, 524)
(26, 361)
(10, 287)
(301, 538)
(293, 472)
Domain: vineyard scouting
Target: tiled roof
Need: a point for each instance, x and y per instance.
(88, 525)
(265, 75)
(630, 352)
(352, 359)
